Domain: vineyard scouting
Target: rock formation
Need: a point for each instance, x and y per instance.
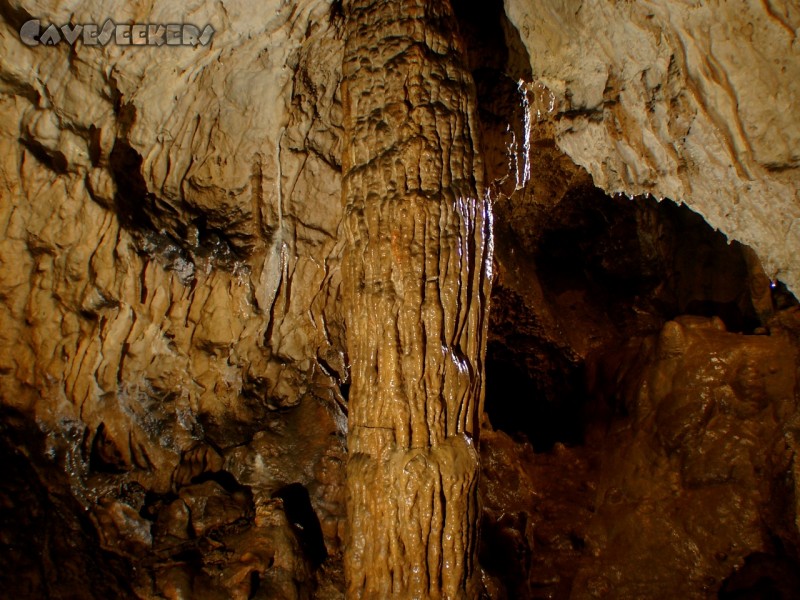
(199, 339)
(156, 361)
(415, 282)
(695, 102)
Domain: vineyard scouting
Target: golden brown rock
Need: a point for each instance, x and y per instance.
(415, 279)
(685, 483)
(174, 378)
(159, 264)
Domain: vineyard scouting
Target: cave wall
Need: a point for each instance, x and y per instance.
(172, 350)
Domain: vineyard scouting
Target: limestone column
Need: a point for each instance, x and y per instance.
(415, 282)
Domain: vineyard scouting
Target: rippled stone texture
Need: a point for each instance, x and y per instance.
(173, 372)
(165, 234)
(415, 279)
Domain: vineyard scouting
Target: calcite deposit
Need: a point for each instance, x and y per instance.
(415, 281)
(244, 291)
(689, 467)
(693, 101)
(160, 262)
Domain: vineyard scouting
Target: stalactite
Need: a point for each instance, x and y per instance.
(415, 280)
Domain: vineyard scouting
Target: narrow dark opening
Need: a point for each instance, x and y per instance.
(154, 502)
(104, 456)
(52, 159)
(190, 556)
(255, 583)
(304, 522)
(132, 196)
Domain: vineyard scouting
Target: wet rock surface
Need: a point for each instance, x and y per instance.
(163, 369)
(174, 372)
(681, 484)
(641, 384)
(641, 395)
(415, 281)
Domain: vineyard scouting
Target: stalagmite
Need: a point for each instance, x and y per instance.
(415, 282)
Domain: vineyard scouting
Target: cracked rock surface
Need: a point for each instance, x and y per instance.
(169, 294)
(176, 361)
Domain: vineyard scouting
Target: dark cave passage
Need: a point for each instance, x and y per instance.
(763, 577)
(578, 303)
(609, 269)
(541, 407)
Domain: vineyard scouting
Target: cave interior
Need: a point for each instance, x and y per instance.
(640, 427)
